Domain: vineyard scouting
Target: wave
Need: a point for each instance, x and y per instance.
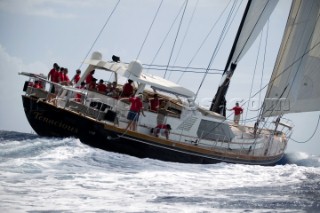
(17, 136)
(17, 145)
(301, 159)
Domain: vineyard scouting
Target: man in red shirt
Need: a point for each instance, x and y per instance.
(89, 77)
(163, 129)
(101, 87)
(54, 76)
(37, 84)
(66, 80)
(93, 85)
(76, 77)
(61, 75)
(53, 73)
(134, 112)
(154, 103)
(237, 113)
(127, 89)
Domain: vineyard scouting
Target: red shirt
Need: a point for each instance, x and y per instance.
(53, 75)
(76, 78)
(154, 104)
(92, 86)
(127, 90)
(56, 77)
(61, 76)
(66, 78)
(237, 110)
(162, 126)
(89, 78)
(37, 85)
(102, 88)
(136, 104)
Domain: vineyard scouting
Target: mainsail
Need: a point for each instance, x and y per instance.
(294, 85)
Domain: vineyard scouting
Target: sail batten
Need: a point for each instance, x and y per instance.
(294, 85)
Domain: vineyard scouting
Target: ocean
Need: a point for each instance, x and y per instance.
(39, 174)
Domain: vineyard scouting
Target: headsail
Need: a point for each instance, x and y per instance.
(294, 84)
(256, 15)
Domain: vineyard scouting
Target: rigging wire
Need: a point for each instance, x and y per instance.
(175, 40)
(145, 39)
(99, 34)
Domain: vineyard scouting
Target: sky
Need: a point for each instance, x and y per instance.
(37, 33)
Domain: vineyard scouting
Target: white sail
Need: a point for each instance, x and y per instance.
(258, 14)
(294, 85)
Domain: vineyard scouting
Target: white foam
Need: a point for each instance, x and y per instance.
(66, 175)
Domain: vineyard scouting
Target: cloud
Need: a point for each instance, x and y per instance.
(46, 8)
(11, 84)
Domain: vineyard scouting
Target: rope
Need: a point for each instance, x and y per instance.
(105, 24)
(145, 39)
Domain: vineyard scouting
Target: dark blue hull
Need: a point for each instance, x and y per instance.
(51, 121)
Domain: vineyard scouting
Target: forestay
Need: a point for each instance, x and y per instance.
(294, 85)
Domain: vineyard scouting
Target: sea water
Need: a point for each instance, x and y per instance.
(39, 174)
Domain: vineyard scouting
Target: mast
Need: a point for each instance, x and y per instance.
(218, 104)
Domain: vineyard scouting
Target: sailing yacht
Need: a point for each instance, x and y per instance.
(197, 134)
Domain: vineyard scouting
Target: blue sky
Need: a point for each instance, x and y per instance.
(37, 33)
